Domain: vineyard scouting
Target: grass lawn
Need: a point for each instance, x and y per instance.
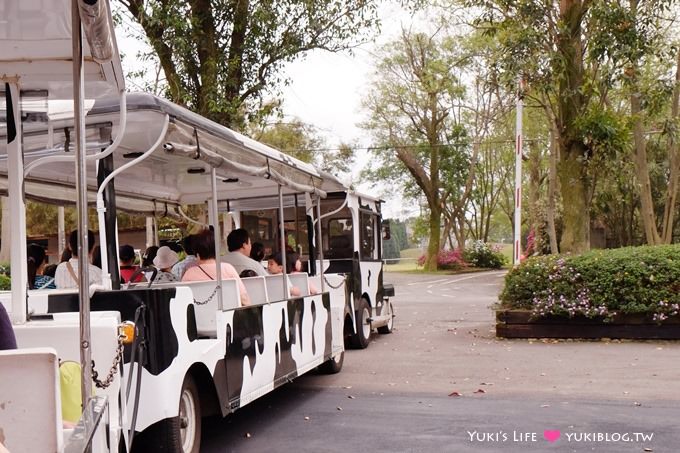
(408, 263)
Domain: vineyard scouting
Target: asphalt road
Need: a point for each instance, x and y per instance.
(442, 382)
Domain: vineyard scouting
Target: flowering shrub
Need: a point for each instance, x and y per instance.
(599, 283)
(446, 259)
(480, 254)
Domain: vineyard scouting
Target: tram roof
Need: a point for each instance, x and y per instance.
(244, 167)
(35, 38)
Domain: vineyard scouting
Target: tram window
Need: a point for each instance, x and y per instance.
(367, 237)
(340, 238)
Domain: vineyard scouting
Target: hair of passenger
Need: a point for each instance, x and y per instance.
(237, 238)
(245, 273)
(73, 242)
(188, 244)
(204, 244)
(97, 256)
(126, 253)
(50, 270)
(65, 255)
(149, 255)
(35, 255)
(257, 251)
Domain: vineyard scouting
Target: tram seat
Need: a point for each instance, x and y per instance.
(301, 280)
(30, 400)
(275, 288)
(257, 289)
(62, 334)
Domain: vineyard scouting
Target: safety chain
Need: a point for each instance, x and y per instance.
(114, 368)
(217, 288)
(334, 287)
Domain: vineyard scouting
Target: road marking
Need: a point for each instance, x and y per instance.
(448, 295)
(448, 282)
(427, 281)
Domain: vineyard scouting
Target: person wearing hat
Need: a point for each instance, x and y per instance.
(164, 260)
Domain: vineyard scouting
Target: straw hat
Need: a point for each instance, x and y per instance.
(165, 258)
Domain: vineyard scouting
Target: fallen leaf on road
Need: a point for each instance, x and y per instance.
(545, 405)
(247, 435)
(648, 449)
(455, 394)
(637, 404)
(347, 387)
(486, 383)
(306, 418)
(339, 408)
(350, 397)
(480, 391)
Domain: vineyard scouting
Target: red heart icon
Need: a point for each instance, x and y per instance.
(551, 435)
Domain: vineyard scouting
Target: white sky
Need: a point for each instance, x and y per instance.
(326, 91)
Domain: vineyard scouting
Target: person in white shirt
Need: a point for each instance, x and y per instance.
(66, 275)
(238, 243)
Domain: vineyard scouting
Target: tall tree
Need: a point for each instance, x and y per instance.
(220, 57)
(410, 102)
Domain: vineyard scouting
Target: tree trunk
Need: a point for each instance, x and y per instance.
(674, 165)
(552, 184)
(433, 244)
(642, 170)
(534, 219)
(575, 204)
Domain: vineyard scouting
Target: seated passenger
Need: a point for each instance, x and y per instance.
(248, 273)
(257, 252)
(240, 247)
(126, 254)
(206, 266)
(297, 269)
(147, 260)
(189, 261)
(37, 259)
(165, 259)
(66, 275)
(275, 267)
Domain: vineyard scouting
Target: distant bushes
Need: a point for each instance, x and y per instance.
(479, 255)
(598, 283)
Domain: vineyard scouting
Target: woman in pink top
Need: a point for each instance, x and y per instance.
(206, 268)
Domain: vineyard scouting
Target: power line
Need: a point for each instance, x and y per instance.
(439, 145)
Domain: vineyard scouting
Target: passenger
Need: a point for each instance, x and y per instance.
(149, 255)
(248, 273)
(206, 266)
(147, 261)
(7, 338)
(165, 259)
(275, 267)
(257, 252)
(128, 269)
(66, 275)
(37, 259)
(297, 269)
(189, 261)
(239, 246)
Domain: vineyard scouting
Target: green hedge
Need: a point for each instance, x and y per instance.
(598, 283)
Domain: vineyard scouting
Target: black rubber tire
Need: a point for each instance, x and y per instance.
(190, 393)
(166, 435)
(387, 328)
(361, 339)
(333, 365)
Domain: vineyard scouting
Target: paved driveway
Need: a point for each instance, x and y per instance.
(394, 396)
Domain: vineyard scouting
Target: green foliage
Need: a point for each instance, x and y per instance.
(598, 283)
(302, 141)
(484, 255)
(221, 58)
(5, 282)
(397, 242)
